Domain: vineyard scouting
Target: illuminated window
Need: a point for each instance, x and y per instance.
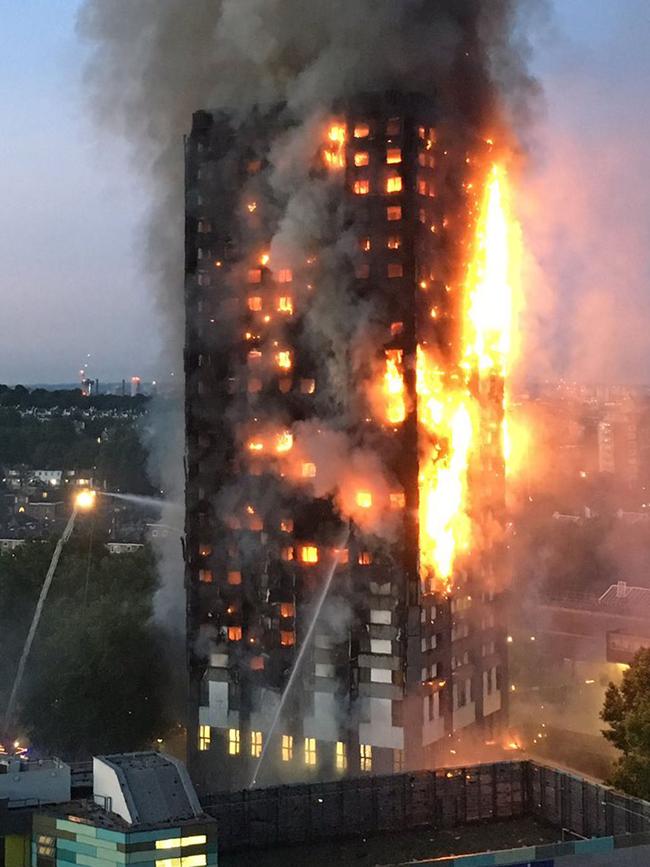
(364, 499)
(234, 633)
(234, 744)
(422, 133)
(394, 213)
(398, 761)
(365, 754)
(169, 862)
(287, 554)
(364, 244)
(206, 576)
(286, 525)
(205, 550)
(394, 185)
(285, 275)
(194, 861)
(361, 158)
(394, 242)
(310, 751)
(307, 386)
(287, 609)
(256, 744)
(171, 843)
(393, 156)
(256, 524)
(285, 304)
(287, 639)
(254, 302)
(283, 359)
(361, 188)
(254, 166)
(255, 275)
(365, 558)
(234, 578)
(341, 756)
(308, 470)
(396, 328)
(308, 554)
(397, 500)
(196, 840)
(204, 738)
(342, 556)
(254, 356)
(423, 188)
(362, 272)
(361, 130)
(396, 269)
(287, 748)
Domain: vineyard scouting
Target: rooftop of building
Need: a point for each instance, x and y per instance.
(86, 812)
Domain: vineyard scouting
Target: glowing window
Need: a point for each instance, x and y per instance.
(256, 744)
(255, 275)
(287, 609)
(234, 578)
(256, 524)
(365, 558)
(286, 525)
(283, 359)
(422, 158)
(234, 744)
(396, 328)
(308, 554)
(205, 550)
(341, 756)
(365, 755)
(364, 499)
(393, 156)
(394, 242)
(196, 840)
(287, 748)
(172, 842)
(310, 751)
(206, 576)
(307, 386)
(254, 302)
(285, 304)
(422, 133)
(234, 633)
(361, 158)
(365, 244)
(287, 554)
(285, 275)
(394, 213)
(394, 185)
(169, 862)
(342, 556)
(287, 638)
(254, 356)
(194, 861)
(395, 269)
(254, 166)
(422, 216)
(361, 188)
(397, 501)
(308, 470)
(362, 272)
(204, 738)
(423, 188)
(361, 130)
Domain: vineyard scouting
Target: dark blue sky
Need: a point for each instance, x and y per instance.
(70, 212)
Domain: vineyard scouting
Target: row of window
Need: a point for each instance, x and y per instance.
(393, 184)
(287, 748)
(364, 129)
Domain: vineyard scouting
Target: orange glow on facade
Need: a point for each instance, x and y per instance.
(394, 389)
(364, 499)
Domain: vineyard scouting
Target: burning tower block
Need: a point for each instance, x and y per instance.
(346, 353)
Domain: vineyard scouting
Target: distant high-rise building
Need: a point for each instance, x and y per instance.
(306, 454)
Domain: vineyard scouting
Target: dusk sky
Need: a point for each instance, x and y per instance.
(71, 272)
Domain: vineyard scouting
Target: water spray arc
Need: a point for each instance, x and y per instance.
(84, 501)
(306, 643)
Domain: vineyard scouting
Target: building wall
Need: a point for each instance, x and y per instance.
(367, 679)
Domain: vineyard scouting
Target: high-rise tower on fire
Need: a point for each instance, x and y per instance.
(319, 333)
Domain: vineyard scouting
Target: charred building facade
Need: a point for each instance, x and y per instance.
(306, 388)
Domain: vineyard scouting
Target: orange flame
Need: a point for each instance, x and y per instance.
(394, 387)
(334, 152)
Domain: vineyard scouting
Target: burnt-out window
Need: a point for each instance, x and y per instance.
(395, 269)
(394, 213)
(394, 126)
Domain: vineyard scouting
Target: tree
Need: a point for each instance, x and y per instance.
(627, 713)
